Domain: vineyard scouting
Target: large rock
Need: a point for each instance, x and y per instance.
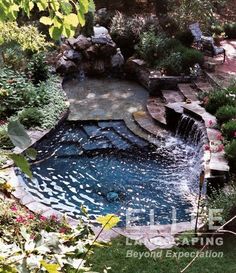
(64, 66)
(108, 50)
(80, 43)
(102, 39)
(99, 67)
(92, 52)
(73, 55)
(99, 30)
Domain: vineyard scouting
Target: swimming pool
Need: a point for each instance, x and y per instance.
(102, 165)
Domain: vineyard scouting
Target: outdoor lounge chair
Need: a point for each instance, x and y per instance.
(197, 34)
(208, 47)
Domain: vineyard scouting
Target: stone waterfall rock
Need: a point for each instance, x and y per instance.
(73, 55)
(80, 43)
(65, 66)
(89, 56)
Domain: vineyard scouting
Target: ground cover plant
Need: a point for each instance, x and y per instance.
(222, 103)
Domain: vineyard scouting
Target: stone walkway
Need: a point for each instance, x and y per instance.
(225, 73)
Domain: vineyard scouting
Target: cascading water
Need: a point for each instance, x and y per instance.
(192, 130)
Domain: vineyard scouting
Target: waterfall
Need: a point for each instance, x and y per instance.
(191, 130)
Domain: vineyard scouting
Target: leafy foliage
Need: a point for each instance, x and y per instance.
(18, 93)
(185, 37)
(226, 113)
(230, 30)
(30, 117)
(37, 68)
(188, 12)
(218, 99)
(230, 151)
(229, 129)
(62, 17)
(224, 199)
(27, 37)
(5, 141)
(108, 221)
(167, 54)
(18, 135)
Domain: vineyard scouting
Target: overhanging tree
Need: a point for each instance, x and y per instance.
(61, 16)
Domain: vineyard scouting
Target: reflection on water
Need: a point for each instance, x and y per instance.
(105, 167)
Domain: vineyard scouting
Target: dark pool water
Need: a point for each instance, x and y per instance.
(105, 167)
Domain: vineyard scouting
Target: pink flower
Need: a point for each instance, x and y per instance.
(31, 216)
(20, 219)
(54, 217)
(235, 134)
(62, 230)
(43, 218)
(14, 208)
(220, 148)
(219, 137)
(207, 148)
(210, 123)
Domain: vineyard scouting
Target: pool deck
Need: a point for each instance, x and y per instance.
(109, 99)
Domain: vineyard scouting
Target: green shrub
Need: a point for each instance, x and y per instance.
(185, 37)
(230, 30)
(218, 99)
(55, 104)
(226, 113)
(169, 25)
(5, 142)
(190, 57)
(229, 129)
(30, 117)
(15, 90)
(153, 47)
(87, 30)
(223, 199)
(172, 64)
(217, 29)
(230, 151)
(38, 68)
(28, 37)
(13, 56)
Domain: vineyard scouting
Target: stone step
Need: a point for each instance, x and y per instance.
(198, 112)
(118, 141)
(172, 96)
(203, 86)
(147, 123)
(218, 163)
(157, 110)
(187, 91)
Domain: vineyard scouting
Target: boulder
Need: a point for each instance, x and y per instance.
(80, 43)
(99, 30)
(117, 60)
(102, 39)
(72, 55)
(99, 67)
(92, 52)
(64, 66)
(64, 47)
(108, 50)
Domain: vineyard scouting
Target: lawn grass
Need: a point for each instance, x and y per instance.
(114, 256)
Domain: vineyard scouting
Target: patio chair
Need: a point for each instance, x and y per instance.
(197, 34)
(208, 47)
